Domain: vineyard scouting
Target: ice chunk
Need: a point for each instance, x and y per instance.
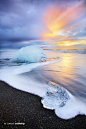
(56, 96)
(29, 54)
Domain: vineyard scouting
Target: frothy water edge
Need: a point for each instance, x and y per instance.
(13, 77)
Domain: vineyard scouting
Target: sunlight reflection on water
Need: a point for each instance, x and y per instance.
(70, 72)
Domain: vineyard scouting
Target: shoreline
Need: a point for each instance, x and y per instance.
(24, 110)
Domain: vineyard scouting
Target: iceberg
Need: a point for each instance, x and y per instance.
(29, 54)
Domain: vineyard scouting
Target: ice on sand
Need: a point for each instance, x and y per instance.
(30, 54)
(56, 96)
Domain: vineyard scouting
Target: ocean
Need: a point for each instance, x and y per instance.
(63, 68)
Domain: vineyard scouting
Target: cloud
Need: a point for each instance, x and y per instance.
(20, 20)
(64, 22)
(23, 20)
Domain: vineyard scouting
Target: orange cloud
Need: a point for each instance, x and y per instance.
(57, 19)
(70, 42)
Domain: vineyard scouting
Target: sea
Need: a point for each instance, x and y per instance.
(65, 68)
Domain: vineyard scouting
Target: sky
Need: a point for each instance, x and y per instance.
(26, 22)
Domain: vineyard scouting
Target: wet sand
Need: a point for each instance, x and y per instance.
(21, 110)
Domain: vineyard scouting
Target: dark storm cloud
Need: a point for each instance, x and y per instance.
(20, 19)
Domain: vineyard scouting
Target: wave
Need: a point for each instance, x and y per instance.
(19, 76)
(13, 75)
(66, 107)
(73, 51)
(28, 67)
(83, 51)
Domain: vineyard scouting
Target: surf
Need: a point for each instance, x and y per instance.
(18, 75)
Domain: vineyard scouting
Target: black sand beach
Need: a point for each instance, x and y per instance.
(21, 110)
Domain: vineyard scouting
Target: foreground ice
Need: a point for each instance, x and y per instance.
(31, 54)
(56, 96)
(66, 106)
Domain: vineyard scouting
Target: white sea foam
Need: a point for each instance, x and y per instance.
(28, 67)
(13, 75)
(72, 108)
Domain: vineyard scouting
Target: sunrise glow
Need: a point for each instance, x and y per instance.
(69, 43)
(62, 24)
